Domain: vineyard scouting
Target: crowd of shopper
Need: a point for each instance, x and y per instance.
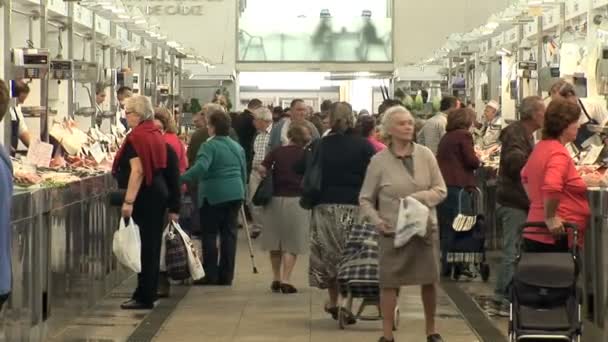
(366, 164)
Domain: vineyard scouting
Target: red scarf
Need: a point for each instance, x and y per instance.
(148, 142)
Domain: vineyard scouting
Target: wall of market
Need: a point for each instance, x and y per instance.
(422, 27)
(418, 29)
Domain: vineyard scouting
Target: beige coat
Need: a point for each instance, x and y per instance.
(387, 180)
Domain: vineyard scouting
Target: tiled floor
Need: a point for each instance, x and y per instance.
(106, 321)
(249, 312)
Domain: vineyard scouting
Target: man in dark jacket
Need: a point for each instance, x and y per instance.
(246, 130)
(201, 135)
(517, 143)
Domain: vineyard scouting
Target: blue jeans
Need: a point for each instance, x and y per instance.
(511, 220)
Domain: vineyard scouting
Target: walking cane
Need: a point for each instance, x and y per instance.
(244, 218)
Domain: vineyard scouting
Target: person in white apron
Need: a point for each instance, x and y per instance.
(100, 98)
(19, 130)
(593, 112)
(493, 125)
(122, 94)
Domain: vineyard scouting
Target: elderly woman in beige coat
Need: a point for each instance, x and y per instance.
(404, 169)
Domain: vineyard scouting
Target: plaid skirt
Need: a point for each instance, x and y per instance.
(329, 231)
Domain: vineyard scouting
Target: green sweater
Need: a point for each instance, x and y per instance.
(220, 171)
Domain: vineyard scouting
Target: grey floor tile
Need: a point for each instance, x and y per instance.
(249, 312)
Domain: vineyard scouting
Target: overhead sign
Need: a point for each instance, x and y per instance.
(528, 70)
(170, 7)
(528, 66)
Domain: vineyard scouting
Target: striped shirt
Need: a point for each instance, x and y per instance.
(260, 146)
(433, 130)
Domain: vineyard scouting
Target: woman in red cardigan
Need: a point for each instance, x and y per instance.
(557, 192)
(165, 122)
(457, 160)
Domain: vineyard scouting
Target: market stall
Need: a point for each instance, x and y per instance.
(61, 253)
(595, 269)
(520, 52)
(62, 221)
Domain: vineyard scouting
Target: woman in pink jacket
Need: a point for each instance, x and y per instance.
(557, 192)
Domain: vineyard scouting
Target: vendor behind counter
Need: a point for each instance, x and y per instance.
(592, 112)
(19, 130)
(489, 133)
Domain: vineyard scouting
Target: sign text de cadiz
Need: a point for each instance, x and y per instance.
(170, 8)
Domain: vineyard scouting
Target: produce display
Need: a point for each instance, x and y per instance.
(84, 155)
(490, 157)
(593, 175)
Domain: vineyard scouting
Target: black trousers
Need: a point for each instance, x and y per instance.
(3, 299)
(149, 214)
(219, 219)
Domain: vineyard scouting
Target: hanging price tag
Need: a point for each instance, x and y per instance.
(40, 154)
(97, 153)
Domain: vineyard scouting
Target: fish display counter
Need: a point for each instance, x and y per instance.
(595, 268)
(61, 255)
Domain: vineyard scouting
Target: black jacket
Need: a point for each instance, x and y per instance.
(165, 186)
(344, 161)
(517, 146)
(246, 132)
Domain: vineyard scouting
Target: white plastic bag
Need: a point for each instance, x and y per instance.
(194, 262)
(412, 220)
(127, 245)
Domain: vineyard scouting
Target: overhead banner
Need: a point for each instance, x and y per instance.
(162, 8)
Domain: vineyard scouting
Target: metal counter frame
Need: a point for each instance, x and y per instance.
(595, 269)
(486, 182)
(62, 256)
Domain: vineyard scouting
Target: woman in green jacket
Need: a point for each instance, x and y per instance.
(221, 174)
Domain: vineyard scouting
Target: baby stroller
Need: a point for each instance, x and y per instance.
(466, 250)
(545, 302)
(358, 276)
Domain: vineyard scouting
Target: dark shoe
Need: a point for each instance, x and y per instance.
(288, 289)
(205, 282)
(333, 311)
(161, 294)
(275, 286)
(255, 234)
(135, 305)
(224, 283)
(383, 339)
(434, 338)
(349, 318)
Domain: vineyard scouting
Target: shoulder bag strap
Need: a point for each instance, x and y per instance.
(585, 111)
(462, 191)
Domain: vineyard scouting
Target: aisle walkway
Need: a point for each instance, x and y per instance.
(249, 312)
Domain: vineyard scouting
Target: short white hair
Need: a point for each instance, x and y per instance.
(210, 107)
(263, 114)
(140, 105)
(387, 118)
